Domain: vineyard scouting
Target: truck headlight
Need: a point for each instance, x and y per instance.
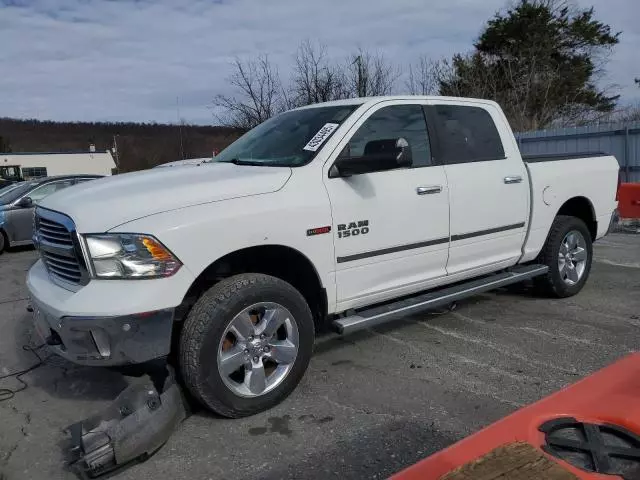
(130, 256)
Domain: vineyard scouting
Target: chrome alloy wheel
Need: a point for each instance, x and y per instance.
(572, 258)
(258, 349)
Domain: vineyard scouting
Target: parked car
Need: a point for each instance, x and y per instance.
(17, 201)
(353, 212)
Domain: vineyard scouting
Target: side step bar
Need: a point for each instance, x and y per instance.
(433, 299)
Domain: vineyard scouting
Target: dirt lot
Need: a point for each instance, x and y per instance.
(370, 404)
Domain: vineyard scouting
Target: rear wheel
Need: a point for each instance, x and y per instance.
(3, 240)
(246, 344)
(568, 252)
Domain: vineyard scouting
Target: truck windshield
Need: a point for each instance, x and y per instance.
(290, 139)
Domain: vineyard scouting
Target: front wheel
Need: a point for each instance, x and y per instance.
(3, 240)
(568, 252)
(246, 344)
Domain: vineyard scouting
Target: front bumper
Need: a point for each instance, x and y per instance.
(106, 341)
(107, 323)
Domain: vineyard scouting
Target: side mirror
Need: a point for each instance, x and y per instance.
(25, 202)
(379, 155)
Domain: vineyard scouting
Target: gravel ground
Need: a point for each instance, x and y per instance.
(370, 404)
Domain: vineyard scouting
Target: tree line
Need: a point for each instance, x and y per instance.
(541, 60)
(138, 145)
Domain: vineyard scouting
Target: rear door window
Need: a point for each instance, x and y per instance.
(466, 134)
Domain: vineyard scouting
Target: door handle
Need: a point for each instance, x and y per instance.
(429, 190)
(513, 179)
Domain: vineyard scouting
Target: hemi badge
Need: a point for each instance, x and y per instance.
(318, 231)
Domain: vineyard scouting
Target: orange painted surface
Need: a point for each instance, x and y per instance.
(611, 395)
(629, 200)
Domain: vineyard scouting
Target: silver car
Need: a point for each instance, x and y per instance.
(17, 201)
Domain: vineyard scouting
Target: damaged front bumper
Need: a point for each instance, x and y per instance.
(104, 323)
(106, 341)
(98, 324)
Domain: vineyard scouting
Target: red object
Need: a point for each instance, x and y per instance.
(629, 200)
(611, 395)
(318, 230)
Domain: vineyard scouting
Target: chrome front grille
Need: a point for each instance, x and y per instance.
(62, 267)
(54, 232)
(59, 248)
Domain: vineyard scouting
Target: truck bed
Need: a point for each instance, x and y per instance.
(555, 179)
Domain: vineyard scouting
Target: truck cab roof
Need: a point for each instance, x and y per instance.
(382, 98)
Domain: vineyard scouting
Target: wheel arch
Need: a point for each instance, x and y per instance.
(582, 208)
(284, 262)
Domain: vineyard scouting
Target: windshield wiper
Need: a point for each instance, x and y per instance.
(238, 161)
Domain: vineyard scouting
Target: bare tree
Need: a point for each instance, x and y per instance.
(627, 113)
(260, 94)
(370, 74)
(630, 114)
(423, 78)
(315, 79)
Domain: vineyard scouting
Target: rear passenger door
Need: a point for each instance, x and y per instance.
(488, 186)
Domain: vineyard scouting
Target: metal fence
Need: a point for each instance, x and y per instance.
(621, 140)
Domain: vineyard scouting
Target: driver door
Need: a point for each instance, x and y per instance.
(391, 226)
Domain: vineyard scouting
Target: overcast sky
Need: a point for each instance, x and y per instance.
(129, 60)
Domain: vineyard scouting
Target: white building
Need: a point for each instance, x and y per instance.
(36, 165)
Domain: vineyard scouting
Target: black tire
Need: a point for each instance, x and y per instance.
(206, 323)
(552, 284)
(3, 241)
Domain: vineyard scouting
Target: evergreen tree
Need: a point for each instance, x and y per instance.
(540, 60)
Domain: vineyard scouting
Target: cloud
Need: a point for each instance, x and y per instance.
(130, 60)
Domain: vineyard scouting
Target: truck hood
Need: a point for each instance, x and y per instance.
(103, 204)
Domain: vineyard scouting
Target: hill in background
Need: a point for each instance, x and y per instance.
(140, 145)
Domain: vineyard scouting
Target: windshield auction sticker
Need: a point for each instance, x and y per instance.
(319, 138)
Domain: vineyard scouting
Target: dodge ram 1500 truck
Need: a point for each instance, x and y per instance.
(352, 212)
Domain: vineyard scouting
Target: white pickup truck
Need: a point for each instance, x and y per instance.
(350, 213)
